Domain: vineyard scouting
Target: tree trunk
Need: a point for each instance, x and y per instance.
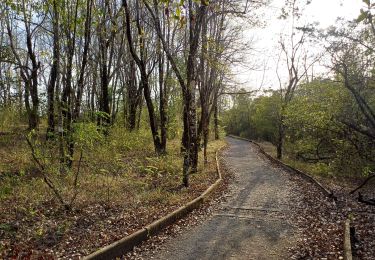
(163, 103)
(54, 73)
(34, 111)
(139, 113)
(216, 119)
(189, 115)
(133, 98)
(66, 98)
(104, 97)
(280, 140)
(141, 63)
(80, 83)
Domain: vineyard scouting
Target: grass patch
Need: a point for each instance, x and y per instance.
(123, 185)
(317, 169)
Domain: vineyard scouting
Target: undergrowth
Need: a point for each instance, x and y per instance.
(121, 177)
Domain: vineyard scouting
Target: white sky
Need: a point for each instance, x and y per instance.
(266, 39)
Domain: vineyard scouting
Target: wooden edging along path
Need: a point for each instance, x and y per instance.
(347, 241)
(289, 168)
(124, 245)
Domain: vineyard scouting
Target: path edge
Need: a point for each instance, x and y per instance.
(347, 242)
(126, 244)
(289, 168)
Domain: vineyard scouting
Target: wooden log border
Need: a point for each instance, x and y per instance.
(126, 244)
(347, 242)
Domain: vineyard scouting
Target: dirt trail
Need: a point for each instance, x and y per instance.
(254, 223)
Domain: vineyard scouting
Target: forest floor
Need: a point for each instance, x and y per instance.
(265, 213)
(123, 187)
(362, 216)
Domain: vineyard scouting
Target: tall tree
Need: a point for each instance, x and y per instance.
(297, 66)
(195, 15)
(29, 65)
(141, 63)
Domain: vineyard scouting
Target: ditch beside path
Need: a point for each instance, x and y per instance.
(255, 222)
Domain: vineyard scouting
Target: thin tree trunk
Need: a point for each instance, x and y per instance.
(54, 72)
(280, 140)
(80, 83)
(216, 118)
(163, 103)
(140, 61)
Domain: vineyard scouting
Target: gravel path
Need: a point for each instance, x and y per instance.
(255, 222)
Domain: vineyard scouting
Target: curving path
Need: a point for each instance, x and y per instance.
(254, 222)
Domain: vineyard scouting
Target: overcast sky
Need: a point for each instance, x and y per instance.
(266, 39)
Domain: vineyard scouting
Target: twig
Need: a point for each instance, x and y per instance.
(363, 183)
(76, 180)
(45, 177)
(368, 201)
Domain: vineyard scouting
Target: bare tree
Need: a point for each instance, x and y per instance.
(296, 64)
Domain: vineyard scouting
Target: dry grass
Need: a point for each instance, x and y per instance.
(268, 148)
(319, 170)
(123, 186)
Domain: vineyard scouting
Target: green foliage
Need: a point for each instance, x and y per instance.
(314, 129)
(315, 132)
(313, 108)
(10, 118)
(266, 116)
(254, 118)
(122, 140)
(101, 115)
(6, 188)
(86, 135)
